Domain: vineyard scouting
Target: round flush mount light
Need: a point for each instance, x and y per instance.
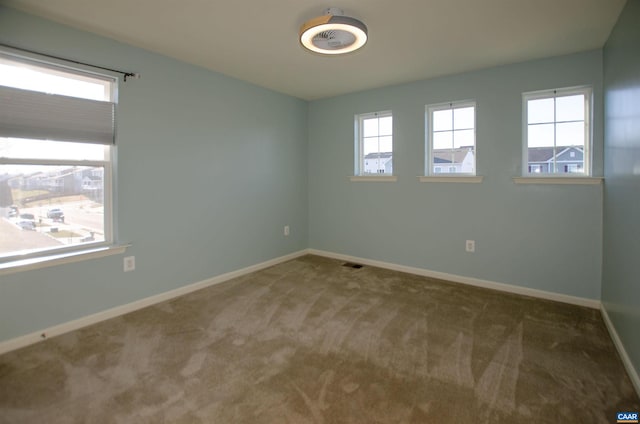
(333, 33)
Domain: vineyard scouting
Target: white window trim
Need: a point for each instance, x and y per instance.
(571, 179)
(107, 165)
(61, 258)
(543, 94)
(475, 179)
(373, 178)
(41, 258)
(40, 255)
(429, 109)
(359, 145)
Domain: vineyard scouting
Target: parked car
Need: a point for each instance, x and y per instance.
(27, 224)
(27, 221)
(13, 211)
(56, 214)
(28, 217)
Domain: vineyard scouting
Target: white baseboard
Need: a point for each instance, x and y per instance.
(574, 300)
(633, 373)
(580, 301)
(28, 339)
(35, 337)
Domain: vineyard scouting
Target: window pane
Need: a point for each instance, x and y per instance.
(372, 164)
(570, 108)
(540, 110)
(374, 143)
(538, 168)
(386, 125)
(452, 138)
(463, 118)
(370, 127)
(454, 161)
(463, 138)
(443, 140)
(540, 135)
(370, 145)
(386, 144)
(443, 157)
(388, 164)
(574, 168)
(45, 80)
(46, 207)
(570, 134)
(442, 120)
(18, 148)
(540, 160)
(556, 138)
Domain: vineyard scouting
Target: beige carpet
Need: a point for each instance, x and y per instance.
(311, 341)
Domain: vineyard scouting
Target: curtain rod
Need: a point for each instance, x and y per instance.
(125, 73)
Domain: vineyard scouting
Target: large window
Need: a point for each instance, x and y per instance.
(557, 135)
(56, 136)
(451, 138)
(374, 144)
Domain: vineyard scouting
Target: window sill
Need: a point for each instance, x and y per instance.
(451, 179)
(60, 259)
(374, 178)
(559, 180)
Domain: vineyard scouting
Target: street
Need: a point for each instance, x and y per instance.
(83, 222)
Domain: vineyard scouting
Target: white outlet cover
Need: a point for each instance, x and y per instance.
(470, 246)
(129, 263)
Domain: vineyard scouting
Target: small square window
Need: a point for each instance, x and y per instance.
(374, 144)
(556, 133)
(451, 138)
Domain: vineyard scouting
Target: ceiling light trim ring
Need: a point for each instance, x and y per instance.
(341, 28)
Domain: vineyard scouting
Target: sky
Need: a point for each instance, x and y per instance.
(21, 75)
(568, 115)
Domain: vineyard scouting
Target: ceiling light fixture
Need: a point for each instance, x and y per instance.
(333, 33)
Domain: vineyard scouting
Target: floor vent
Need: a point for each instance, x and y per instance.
(352, 265)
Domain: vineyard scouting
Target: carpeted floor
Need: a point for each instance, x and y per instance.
(311, 341)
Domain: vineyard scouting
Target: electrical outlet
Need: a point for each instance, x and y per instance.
(470, 246)
(286, 230)
(129, 263)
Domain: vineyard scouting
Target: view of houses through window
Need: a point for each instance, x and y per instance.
(49, 206)
(54, 194)
(375, 143)
(451, 138)
(557, 134)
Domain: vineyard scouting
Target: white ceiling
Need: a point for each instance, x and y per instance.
(409, 40)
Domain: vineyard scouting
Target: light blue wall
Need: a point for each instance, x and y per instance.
(210, 169)
(547, 237)
(621, 268)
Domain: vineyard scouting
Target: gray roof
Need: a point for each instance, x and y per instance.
(381, 155)
(451, 155)
(545, 154)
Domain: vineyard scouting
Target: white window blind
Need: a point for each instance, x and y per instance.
(35, 115)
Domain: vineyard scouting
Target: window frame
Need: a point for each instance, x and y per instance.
(429, 165)
(359, 157)
(554, 93)
(18, 260)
